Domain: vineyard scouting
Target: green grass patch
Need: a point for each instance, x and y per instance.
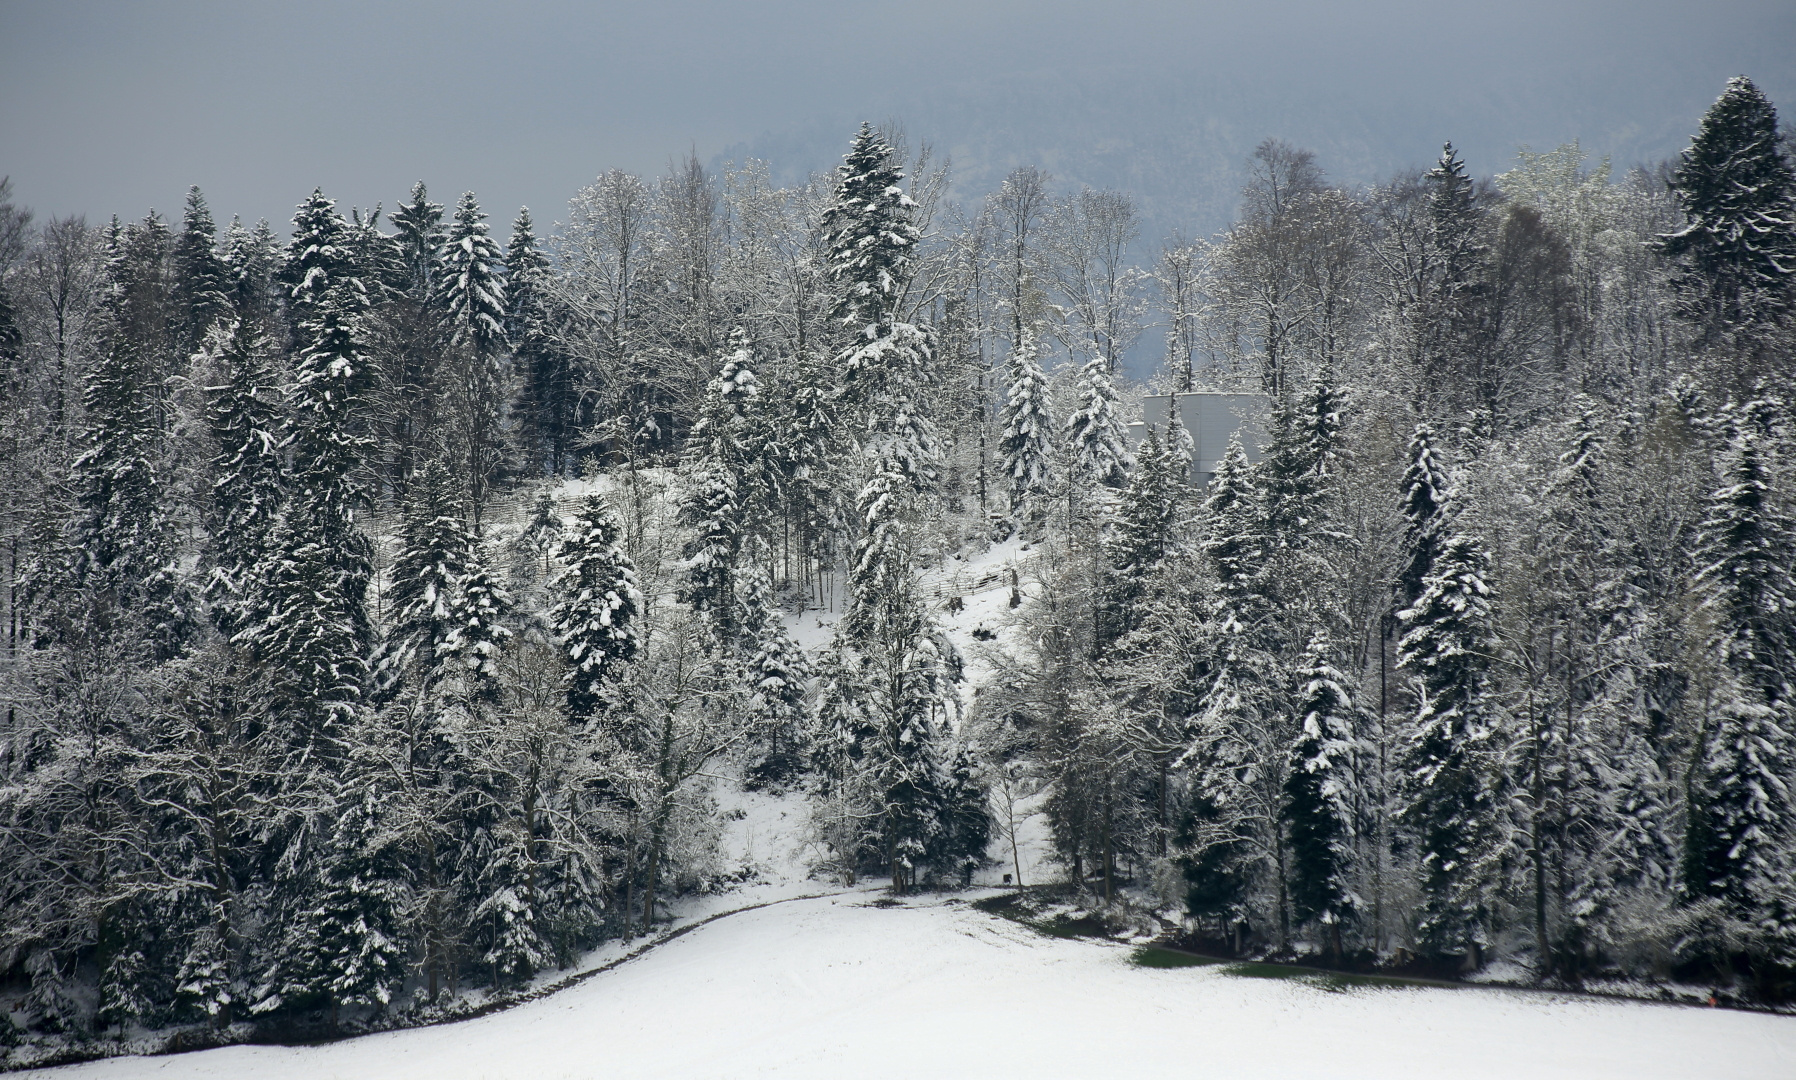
(1150, 957)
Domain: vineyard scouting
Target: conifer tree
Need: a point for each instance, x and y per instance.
(871, 237)
(1737, 847)
(1096, 439)
(1446, 787)
(248, 482)
(319, 257)
(124, 550)
(433, 559)
(202, 282)
(480, 635)
(716, 504)
(1425, 488)
(471, 294)
(776, 674)
(1318, 809)
(548, 398)
(418, 234)
(353, 950)
(886, 364)
(249, 259)
(1146, 532)
(1737, 189)
(595, 617)
(1026, 442)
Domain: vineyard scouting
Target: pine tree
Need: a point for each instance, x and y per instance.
(248, 482)
(471, 294)
(548, 399)
(886, 364)
(1318, 810)
(1146, 534)
(433, 559)
(777, 674)
(1097, 441)
(1738, 193)
(720, 467)
(599, 606)
(1448, 796)
(1026, 442)
(125, 552)
(1425, 488)
(202, 286)
(354, 951)
(1737, 845)
(870, 236)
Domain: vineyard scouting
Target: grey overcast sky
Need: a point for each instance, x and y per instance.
(117, 107)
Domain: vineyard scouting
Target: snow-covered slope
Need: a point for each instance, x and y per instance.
(838, 987)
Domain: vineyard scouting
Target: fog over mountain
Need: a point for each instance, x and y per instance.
(118, 109)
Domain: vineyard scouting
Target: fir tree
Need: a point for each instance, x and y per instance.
(886, 364)
(248, 481)
(1097, 441)
(1425, 489)
(1026, 442)
(319, 258)
(433, 559)
(472, 282)
(1741, 804)
(870, 236)
(418, 233)
(600, 603)
(1738, 193)
(1318, 808)
(721, 462)
(471, 293)
(202, 292)
(1146, 533)
(354, 952)
(549, 400)
(1447, 792)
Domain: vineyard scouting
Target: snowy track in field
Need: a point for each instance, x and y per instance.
(838, 987)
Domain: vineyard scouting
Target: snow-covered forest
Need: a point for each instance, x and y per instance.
(383, 603)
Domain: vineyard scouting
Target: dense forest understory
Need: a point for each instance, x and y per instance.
(382, 604)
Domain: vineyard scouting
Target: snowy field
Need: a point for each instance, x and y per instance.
(836, 987)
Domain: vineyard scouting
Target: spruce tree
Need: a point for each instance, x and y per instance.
(598, 608)
(1145, 535)
(1447, 790)
(202, 286)
(1738, 842)
(1425, 487)
(885, 364)
(548, 398)
(1737, 188)
(471, 293)
(1026, 443)
(1097, 441)
(1318, 810)
(125, 552)
(870, 236)
(248, 478)
(433, 558)
(721, 462)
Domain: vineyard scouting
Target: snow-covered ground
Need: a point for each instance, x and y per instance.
(838, 987)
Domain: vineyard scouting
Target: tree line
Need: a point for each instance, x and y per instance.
(320, 706)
